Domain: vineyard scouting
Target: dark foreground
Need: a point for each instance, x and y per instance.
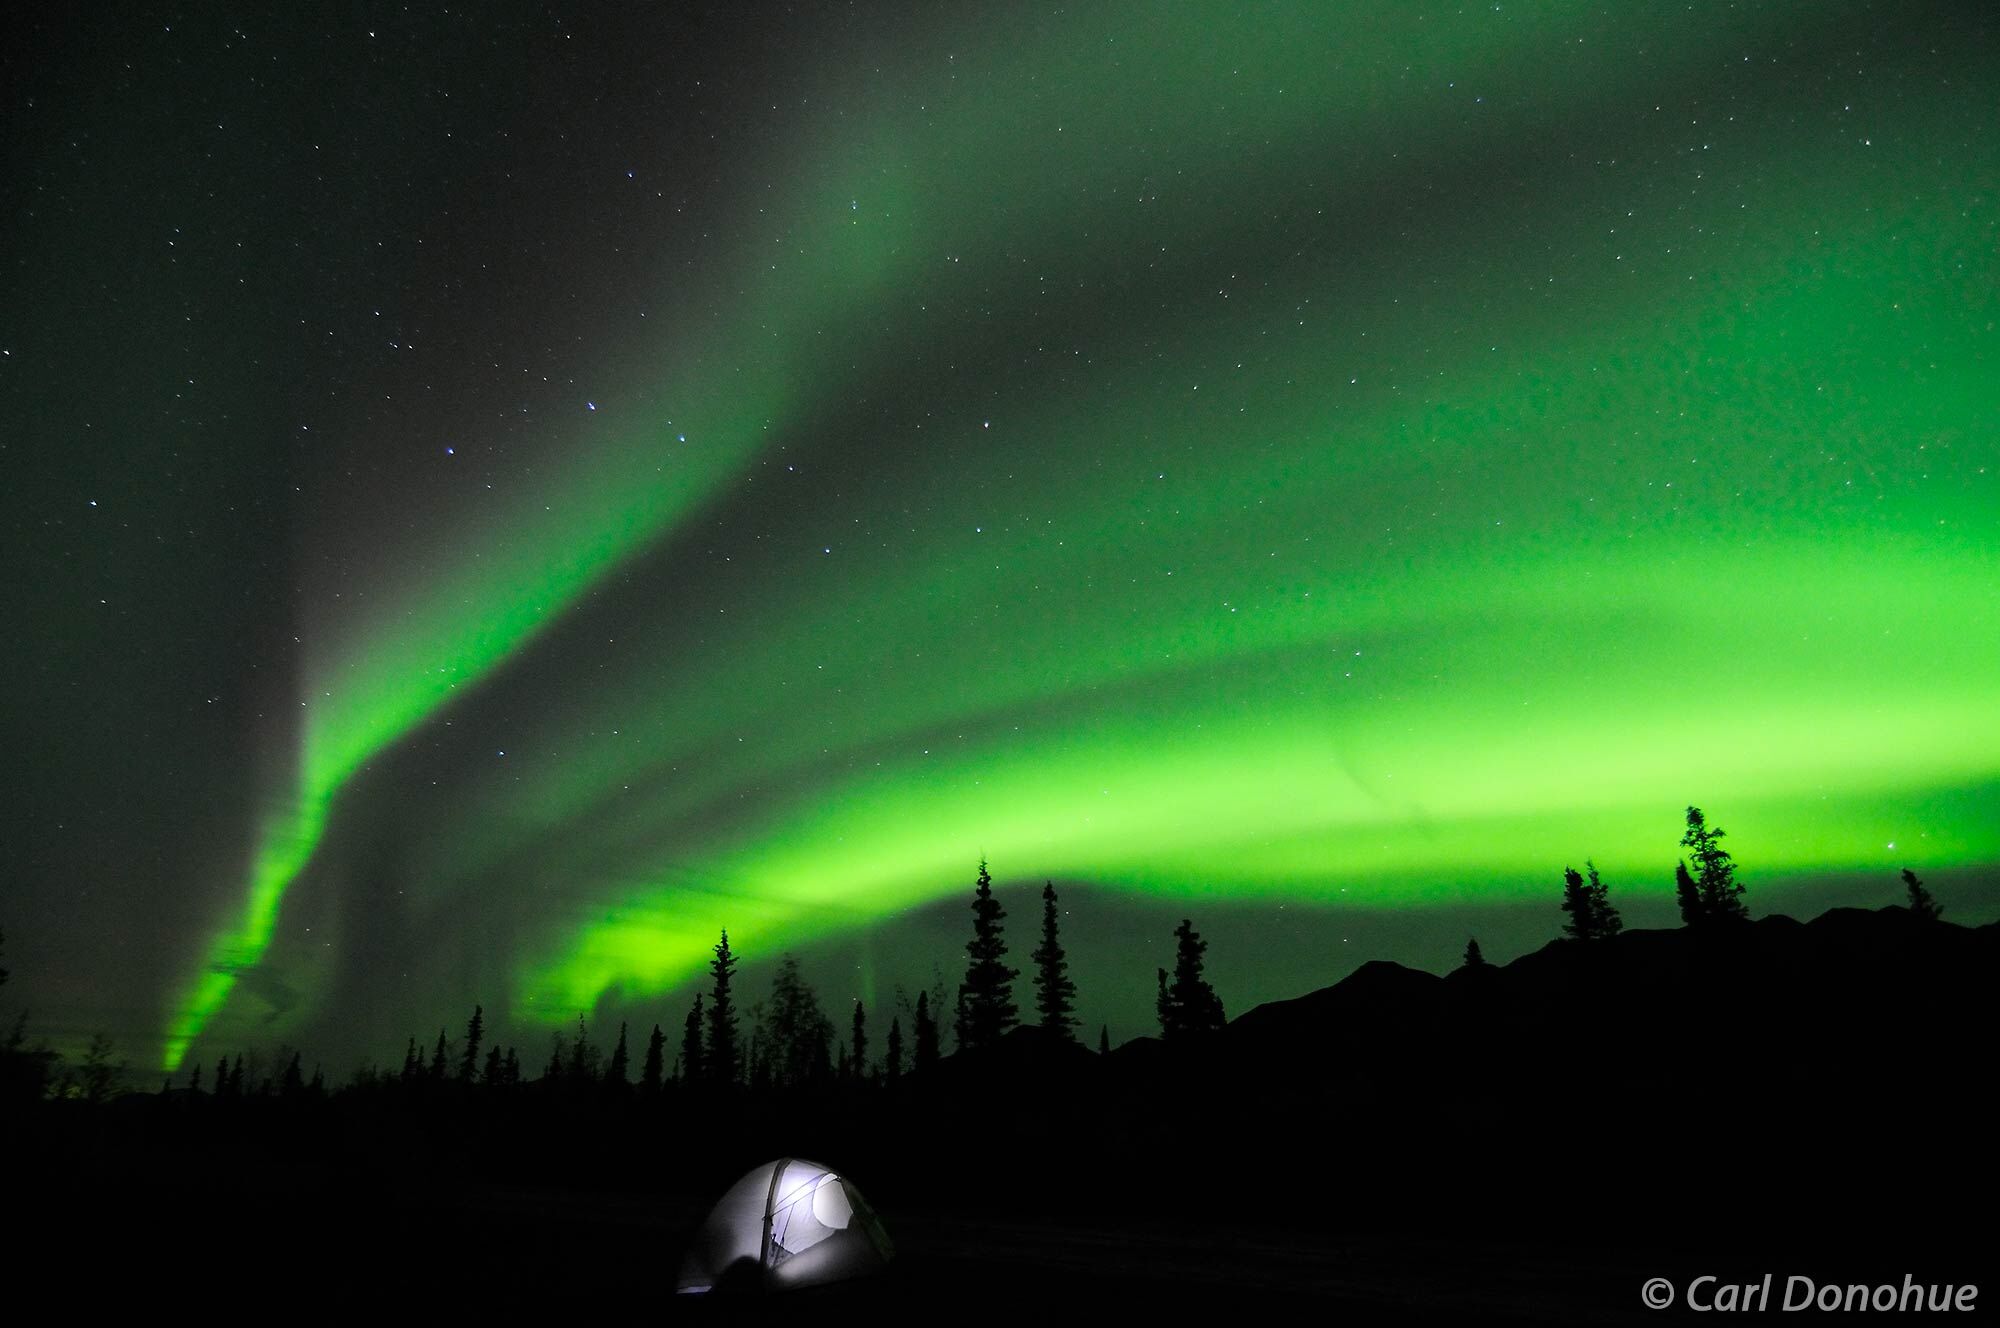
(247, 1243)
(519, 1253)
(1527, 1144)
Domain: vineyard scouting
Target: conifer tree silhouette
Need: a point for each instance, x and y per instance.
(558, 1047)
(925, 1053)
(797, 1038)
(1055, 993)
(1104, 1039)
(655, 1067)
(438, 1060)
(892, 1051)
(475, 1033)
(1474, 958)
(858, 1044)
(496, 1067)
(617, 1075)
(1689, 896)
(986, 998)
(293, 1085)
(98, 1076)
(1576, 903)
(1609, 924)
(512, 1070)
(412, 1064)
(719, 1058)
(1922, 906)
(1188, 1006)
(1718, 895)
(692, 1071)
(1591, 916)
(585, 1061)
(194, 1081)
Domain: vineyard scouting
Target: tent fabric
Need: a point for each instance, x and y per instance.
(787, 1223)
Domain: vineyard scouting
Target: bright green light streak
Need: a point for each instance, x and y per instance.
(1379, 788)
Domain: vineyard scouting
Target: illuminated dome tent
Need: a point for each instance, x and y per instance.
(789, 1223)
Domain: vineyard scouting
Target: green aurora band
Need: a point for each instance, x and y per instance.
(1243, 524)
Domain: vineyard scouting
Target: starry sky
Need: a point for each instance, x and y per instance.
(495, 495)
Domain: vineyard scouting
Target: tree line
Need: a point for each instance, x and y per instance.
(1709, 895)
(788, 1042)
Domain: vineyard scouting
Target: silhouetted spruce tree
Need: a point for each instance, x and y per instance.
(413, 1064)
(858, 1039)
(236, 1077)
(1716, 888)
(98, 1076)
(194, 1081)
(925, 1053)
(691, 1067)
(1104, 1039)
(552, 1073)
(986, 998)
(1576, 903)
(1591, 916)
(1922, 906)
(1609, 924)
(892, 1051)
(513, 1067)
(618, 1074)
(656, 1064)
(1055, 994)
(585, 1061)
(1688, 894)
(438, 1058)
(719, 1057)
(1473, 956)
(294, 1083)
(1189, 1007)
(797, 1039)
(317, 1088)
(496, 1067)
(25, 1071)
(475, 1032)
(940, 991)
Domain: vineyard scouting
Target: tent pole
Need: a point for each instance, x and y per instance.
(771, 1197)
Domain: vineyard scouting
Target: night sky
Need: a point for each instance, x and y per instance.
(492, 497)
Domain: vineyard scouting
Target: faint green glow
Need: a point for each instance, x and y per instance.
(449, 637)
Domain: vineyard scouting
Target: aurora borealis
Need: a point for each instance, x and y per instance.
(505, 496)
